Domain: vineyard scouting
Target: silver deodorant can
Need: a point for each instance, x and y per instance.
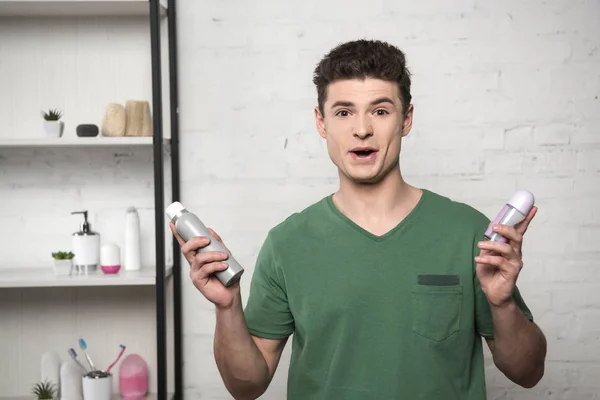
(188, 226)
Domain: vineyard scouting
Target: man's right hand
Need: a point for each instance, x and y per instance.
(202, 267)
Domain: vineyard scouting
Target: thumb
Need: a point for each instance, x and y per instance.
(177, 236)
(216, 236)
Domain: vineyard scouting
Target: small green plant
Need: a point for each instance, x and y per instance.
(44, 390)
(52, 115)
(63, 255)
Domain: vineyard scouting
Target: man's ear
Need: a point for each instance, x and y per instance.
(408, 120)
(320, 122)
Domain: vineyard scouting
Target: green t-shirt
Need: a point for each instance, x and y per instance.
(397, 316)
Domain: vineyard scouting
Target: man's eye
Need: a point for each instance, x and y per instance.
(382, 112)
(342, 113)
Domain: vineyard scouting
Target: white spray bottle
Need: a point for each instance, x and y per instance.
(133, 249)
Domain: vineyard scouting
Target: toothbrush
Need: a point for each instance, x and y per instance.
(83, 346)
(118, 357)
(73, 355)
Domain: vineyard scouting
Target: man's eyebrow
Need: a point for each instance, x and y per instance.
(382, 100)
(375, 102)
(342, 104)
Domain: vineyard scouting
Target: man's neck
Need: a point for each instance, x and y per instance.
(377, 207)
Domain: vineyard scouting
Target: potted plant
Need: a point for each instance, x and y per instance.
(44, 390)
(53, 126)
(63, 262)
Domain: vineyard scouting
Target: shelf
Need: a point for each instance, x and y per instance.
(122, 22)
(79, 141)
(45, 277)
(70, 8)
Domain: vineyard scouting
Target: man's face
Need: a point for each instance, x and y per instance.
(363, 124)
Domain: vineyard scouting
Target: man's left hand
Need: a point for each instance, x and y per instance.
(499, 264)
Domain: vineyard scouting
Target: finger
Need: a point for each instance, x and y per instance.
(195, 243)
(508, 232)
(503, 249)
(484, 270)
(190, 249)
(201, 259)
(499, 262)
(209, 269)
(179, 238)
(522, 226)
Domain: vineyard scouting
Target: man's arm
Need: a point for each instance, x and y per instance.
(518, 347)
(246, 363)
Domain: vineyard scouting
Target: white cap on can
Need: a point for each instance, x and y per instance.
(174, 209)
(523, 201)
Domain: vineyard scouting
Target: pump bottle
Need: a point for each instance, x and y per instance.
(86, 246)
(188, 225)
(514, 211)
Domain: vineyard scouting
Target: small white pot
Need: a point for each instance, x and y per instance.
(53, 128)
(63, 267)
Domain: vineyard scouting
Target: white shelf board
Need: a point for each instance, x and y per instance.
(79, 141)
(45, 277)
(71, 8)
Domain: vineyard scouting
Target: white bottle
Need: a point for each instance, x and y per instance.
(133, 246)
(86, 246)
(514, 211)
(51, 368)
(71, 385)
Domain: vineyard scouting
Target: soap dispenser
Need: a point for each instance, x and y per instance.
(86, 246)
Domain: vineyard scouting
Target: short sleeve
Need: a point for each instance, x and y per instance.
(267, 311)
(483, 315)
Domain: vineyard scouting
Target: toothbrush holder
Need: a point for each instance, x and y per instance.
(97, 385)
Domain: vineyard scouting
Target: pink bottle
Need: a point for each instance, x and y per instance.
(133, 377)
(516, 210)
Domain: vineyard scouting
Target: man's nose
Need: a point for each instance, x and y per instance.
(363, 128)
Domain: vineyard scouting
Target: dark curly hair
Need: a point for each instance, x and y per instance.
(362, 59)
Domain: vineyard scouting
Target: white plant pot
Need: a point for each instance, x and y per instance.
(63, 267)
(53, 128)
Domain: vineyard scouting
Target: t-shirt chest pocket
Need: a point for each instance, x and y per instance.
(436, 306)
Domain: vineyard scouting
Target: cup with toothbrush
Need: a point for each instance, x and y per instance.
(96, 383)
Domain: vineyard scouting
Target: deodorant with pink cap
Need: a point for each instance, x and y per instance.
(514, 211)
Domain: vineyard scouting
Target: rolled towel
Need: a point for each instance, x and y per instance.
(139, 119)
(114, 121)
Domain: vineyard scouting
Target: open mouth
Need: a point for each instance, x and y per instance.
(363, 152)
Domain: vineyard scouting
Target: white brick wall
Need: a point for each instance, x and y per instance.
(506, 96)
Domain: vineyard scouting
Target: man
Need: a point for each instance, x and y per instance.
(387, 288)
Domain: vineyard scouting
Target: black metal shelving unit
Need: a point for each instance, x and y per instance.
(156, 17)
(176, 195)
(159, 196)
